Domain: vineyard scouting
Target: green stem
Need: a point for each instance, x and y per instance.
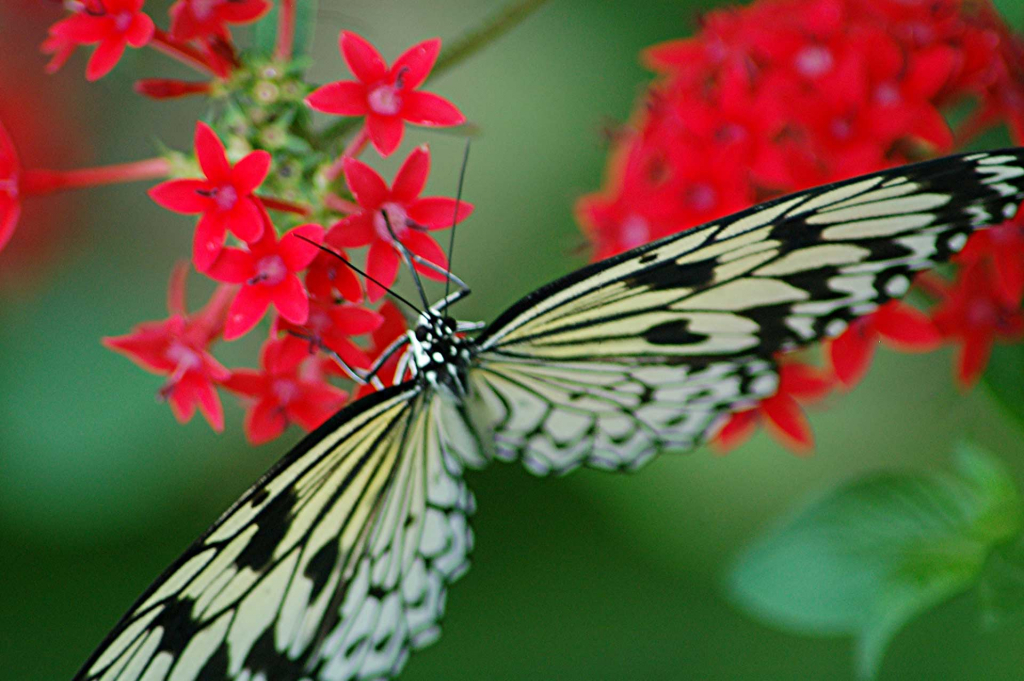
(469, 44)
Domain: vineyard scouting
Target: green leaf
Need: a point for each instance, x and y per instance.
(265, 32)
(1002, 587)
(1004, 379)
(871, 555)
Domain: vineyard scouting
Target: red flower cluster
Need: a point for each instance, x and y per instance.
(111, 25)
(787, 94)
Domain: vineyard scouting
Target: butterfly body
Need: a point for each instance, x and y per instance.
(335, 564)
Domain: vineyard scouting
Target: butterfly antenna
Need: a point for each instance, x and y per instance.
(368, 277)
(407, 257)
(455, 221)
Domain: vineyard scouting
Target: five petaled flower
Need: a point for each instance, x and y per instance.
(387, 97)
(267, 273)
(111, 25)
(407, 215)
(191, 19)
(781, 413)
(288, 390)
(178, 347)
(224, 198)
(899, 325)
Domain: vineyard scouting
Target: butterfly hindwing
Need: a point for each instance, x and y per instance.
(333, 566)
(659, 343)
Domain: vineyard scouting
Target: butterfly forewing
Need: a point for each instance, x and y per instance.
(332, 566)
(651, 348)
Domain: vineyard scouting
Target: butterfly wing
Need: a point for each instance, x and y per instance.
(333, 566)
(651, 348)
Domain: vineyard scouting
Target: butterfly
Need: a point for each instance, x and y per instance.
(335, 564)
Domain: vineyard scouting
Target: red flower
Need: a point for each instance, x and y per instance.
(409, 216)
(895, 323)
(178, 348)
(267, 272)
(224, 198)
(387, 97)
(393, 326)
(1004, 244)
(974, 313)
(287, 390)
(10, 178)
(331, 326)
(109, 24)
(781, 413)
(328, 276)
(191, 19)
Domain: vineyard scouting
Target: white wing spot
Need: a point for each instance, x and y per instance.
(897, 286)
(835, 327)
(956, 242)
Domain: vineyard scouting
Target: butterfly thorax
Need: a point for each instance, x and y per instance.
(439, 355)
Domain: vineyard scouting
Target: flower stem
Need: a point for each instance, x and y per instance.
(340, 205)
(47, 181)
(469, 44)
(184, 53)
(285, 206)
(352, 149)
(285, 31)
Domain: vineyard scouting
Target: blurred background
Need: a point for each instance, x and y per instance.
(592, 576)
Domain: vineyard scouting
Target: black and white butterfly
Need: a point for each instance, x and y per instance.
(335, 564)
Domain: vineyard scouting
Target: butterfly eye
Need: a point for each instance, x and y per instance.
(449, 324)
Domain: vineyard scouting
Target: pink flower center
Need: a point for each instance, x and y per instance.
(981, 313)
(285, 390)
(634, 232)
(887, 94)
(729, 133)
(203, 9)
(814, 61)
(397, 218)
(122, 21)
(701, 197)
(270, 271)
(318, 322)
(9, 186)
(841, 129)
(225, 197)
(184, 357)
(385, 100)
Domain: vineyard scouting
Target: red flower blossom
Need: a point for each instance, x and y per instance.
(111, 25)
(409, 216)
(974, 314)
(895, 323)
(387, 97)
(178, 348)
(267, 272)
(10, 179)
(224, 198)
(781, 413)
(393, 326)
(288, 390)
(328, 277)
(331, 326)
(191, 19)
(1004, 245)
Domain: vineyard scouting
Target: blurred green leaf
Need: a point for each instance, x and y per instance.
(1002, 587)
(873, 554)
(1004, 379)
(265, 33)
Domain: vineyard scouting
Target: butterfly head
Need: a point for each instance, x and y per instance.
(440, 356)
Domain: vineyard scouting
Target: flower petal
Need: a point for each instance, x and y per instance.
(382, 265)
(208, 241)
(291, 300)
(342, 98)
(264, 422)
(438, 212)
(362, 58)
(141, 30)
(424, 246)
(415, 64)
(352, 232)
(246, 310)
(210, 152)
(426, 108)
(736, 431)
(906, 327)
(232, 266)
(250, 171)
(385, 132)
(10, 211)
(368, 187)
(355, 320)
(297, 253)
(182, 196)
(104, 58)
(245, 220)
(412, 176)
(788, 423)
(851, 352)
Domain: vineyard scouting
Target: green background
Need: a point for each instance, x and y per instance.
(592, 576)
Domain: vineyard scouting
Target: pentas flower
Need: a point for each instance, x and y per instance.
(408, 215)
(289, 389)
(330, 325)
(111, 25)
(896, 324)
(192, 19)
(225, 198)
(267, 271)
(973, 314)
(386, 96)
(328, 277)
(781, 413)
(178, 347)
(10, 179)
(1004, 246)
